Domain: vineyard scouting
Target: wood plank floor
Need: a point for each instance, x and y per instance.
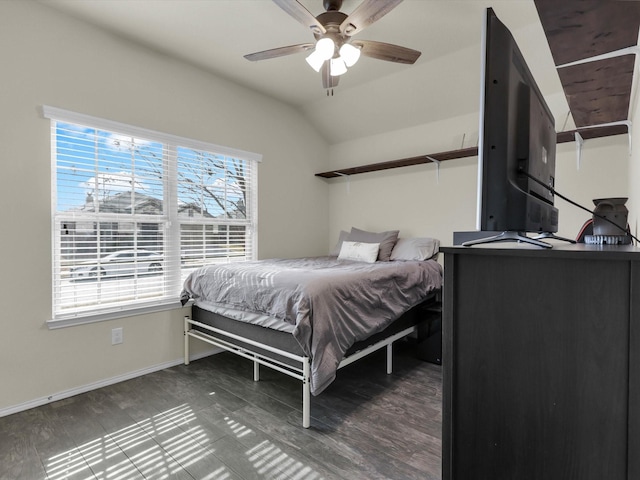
(209, 420)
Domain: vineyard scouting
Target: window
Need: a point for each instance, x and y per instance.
(134, 211)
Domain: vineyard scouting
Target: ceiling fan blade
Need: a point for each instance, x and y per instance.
(327, 80)
(301, 14)
(368, 12)
(279, 52)
(387, 51)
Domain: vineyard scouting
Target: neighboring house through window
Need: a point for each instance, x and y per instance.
(134, 211)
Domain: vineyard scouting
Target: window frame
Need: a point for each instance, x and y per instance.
(169, 220)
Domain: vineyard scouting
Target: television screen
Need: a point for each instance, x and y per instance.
(517, 142)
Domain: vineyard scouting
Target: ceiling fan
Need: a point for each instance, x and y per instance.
(335, 50)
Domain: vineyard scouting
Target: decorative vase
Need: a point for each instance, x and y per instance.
(614, 211)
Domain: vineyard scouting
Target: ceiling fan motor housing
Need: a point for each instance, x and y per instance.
(331, 21)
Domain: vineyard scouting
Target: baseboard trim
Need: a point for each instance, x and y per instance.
(102, 383)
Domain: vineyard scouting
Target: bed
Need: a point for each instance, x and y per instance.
(308, 317)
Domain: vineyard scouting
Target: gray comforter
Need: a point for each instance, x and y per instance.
(332, 303)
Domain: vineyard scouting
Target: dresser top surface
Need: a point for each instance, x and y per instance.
(559, 250)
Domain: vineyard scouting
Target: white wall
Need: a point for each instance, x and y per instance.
(413, 200)
(49, 58)
(410, 198)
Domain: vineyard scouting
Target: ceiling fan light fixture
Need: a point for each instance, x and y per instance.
(349, 54)
(325, 48)
(315, 60)
(337, 67)
(333, 30)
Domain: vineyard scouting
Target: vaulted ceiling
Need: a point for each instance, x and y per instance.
(377, 96)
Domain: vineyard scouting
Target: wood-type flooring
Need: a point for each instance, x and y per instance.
(210, 421)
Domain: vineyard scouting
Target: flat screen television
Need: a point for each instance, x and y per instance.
(517, 142)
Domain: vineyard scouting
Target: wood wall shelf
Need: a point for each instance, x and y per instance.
(562, 137)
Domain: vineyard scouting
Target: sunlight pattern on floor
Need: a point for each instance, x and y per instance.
(166, 444)
(156, 447)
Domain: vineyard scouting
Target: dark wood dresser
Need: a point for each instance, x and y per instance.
(541, 363)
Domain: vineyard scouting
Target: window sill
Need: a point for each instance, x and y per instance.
(101, 317)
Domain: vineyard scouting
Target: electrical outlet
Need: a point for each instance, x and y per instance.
(116, 336)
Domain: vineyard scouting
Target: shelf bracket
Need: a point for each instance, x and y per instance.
(579, 143)
(340, 174)
(437, 162)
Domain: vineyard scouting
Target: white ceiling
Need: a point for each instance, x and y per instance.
(374, 96)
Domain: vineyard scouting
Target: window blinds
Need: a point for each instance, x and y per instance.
(134, 211)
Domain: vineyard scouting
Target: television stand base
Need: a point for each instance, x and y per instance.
(553, 236)
(508, 236)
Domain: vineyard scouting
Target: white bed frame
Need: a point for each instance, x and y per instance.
(216, 337)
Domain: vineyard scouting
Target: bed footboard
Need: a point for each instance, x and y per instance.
(298, 366)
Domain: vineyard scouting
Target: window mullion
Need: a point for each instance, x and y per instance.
(172, 231)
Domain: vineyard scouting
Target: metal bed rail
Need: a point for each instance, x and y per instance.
(301, 373)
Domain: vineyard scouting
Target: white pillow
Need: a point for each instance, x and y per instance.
(335, 251)
(415, 248)
(359, 251)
